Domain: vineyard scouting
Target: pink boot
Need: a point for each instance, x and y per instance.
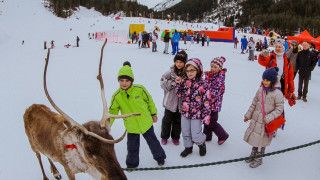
(176, 142)
(164, 141)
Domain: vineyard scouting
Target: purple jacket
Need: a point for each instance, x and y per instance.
(195, 97)
(216, 86)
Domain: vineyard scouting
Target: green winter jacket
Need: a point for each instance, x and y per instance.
(136, 99)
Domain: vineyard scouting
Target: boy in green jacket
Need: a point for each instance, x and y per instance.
(134, 98)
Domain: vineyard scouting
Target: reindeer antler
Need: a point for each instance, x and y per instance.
(105, 120)
(68, 120)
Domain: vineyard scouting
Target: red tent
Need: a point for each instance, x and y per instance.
(117, 18)
(304, 36)
(316, 41)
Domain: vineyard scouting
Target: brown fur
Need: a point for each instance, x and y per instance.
(44, 127)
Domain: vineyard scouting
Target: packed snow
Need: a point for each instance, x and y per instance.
(73, 86)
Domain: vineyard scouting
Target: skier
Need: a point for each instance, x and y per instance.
(78, 39)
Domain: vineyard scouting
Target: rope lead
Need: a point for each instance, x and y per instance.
(221, 162)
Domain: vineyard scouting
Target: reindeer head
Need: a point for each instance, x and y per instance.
(100, 154)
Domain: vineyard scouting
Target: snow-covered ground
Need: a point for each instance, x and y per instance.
(73, 85)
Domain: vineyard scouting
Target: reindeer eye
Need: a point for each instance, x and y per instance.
(89, 152)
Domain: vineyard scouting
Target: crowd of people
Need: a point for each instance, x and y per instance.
(144, 38)
(192, 102)
(193, 97)
(52, 45)
(300, 58)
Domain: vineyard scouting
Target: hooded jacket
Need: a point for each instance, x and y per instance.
(244, 41)
(135, 99)
(255, 135)
(170, 99)
(216, 85)
(195, 96)
(176, 37)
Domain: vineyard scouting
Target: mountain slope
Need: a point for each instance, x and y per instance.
(165, 5)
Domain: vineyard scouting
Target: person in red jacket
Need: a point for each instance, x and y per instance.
(286, 73)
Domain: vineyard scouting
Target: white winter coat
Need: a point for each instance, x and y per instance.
(154, 37)
(140, 36)
(255, 135)
(167, 83)
(251, 45)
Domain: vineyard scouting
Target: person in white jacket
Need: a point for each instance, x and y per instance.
(171, 121)
(140, 39)
(154, 41)
(251, 45)
(267, 105)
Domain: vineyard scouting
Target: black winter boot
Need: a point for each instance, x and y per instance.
(186, 152)
(161, 162)
(202, 149)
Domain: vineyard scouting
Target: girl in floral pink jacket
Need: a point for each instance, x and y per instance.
(215, 78)
(195, 110)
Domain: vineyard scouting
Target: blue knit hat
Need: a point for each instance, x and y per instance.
(271, 74)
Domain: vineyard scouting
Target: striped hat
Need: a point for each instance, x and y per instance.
(218, 61)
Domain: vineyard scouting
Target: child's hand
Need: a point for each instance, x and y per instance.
(154, 119)
(178, 79)
(245, 119)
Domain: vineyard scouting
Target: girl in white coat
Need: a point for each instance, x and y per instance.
(256, 135)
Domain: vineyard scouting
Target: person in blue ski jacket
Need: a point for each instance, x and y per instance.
(286, 45)
(265, 43)
(243, 44)
(175, 39)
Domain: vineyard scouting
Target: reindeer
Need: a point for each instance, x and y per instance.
(87, 148)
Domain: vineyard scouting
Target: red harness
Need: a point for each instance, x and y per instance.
(71, 146)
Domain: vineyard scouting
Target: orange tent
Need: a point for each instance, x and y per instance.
(304, 36)
(316, 41)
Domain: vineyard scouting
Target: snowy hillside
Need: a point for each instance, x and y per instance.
(165, 4)
(224, 10)
(73, 86)
(159, 5)
(149, 3)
